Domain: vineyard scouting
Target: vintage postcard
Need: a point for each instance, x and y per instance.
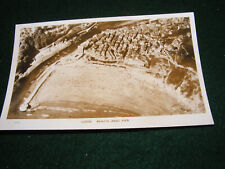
(106, 73)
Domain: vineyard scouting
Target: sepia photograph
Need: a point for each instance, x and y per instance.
(105, 68)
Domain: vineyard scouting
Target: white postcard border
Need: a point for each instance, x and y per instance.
(106, 123)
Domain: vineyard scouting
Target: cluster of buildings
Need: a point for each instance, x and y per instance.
(143, 41)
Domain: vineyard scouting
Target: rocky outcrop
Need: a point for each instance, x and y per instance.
(45, 41)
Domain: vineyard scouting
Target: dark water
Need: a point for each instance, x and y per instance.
(73, 110)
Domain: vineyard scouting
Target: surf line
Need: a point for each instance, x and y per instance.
(23, 107)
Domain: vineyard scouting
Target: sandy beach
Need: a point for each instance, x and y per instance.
(83, 89)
